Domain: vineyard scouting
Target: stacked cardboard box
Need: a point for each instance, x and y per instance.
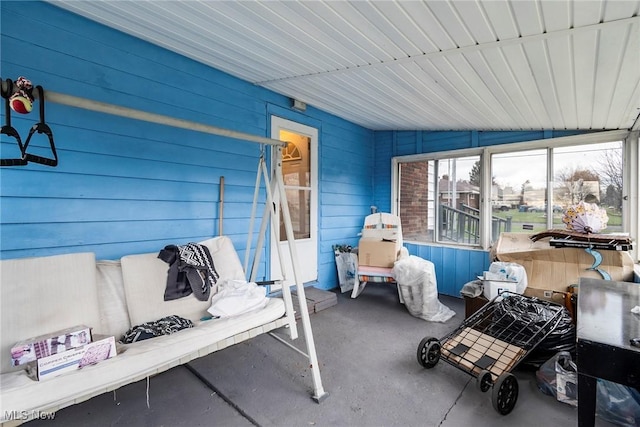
(551, 271)
(376, 252)
(380, 243)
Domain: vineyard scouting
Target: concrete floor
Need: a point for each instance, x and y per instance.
(367, 353)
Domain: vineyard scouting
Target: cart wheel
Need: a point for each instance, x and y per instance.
(429, 352)
(505, 393)
(484, 381)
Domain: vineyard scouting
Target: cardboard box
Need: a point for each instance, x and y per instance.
(71, 360)
(34, 348)
(375, 252)
(493, 288)
(391, 234)
(556, 269)
(471, 305)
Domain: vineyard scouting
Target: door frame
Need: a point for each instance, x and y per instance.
(308, 246)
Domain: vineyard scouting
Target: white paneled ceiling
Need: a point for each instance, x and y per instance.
(427, 65)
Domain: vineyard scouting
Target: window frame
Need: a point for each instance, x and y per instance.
(631, 154)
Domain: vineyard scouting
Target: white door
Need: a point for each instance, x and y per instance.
(300, 173)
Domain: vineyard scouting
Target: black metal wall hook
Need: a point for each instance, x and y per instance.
(6, 88)
(9, 130)
(41, 127)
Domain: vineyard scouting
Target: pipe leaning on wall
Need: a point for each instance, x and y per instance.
(117, 110)
(131, 113)
(221, 206)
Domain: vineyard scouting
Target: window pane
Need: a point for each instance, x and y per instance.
(458, 192)
(518, 192)
(416, 200)
(296, 172)
(439, 200)
(590, 173)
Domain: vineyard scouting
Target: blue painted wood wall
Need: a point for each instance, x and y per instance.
(125, 186)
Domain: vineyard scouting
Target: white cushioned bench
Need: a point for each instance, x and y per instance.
(45, 294)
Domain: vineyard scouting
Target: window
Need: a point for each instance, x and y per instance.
(591, 173)
(450, 198)
(440, 200)
(519, 181)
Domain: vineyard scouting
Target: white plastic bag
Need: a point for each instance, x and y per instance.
(416, 278)
(237, 297)
(347, 264)
(512, 272)
(615, 403)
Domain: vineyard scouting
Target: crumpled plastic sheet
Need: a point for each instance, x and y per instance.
(472, 289)
(511, 271)
(416, 278)
(615, 403)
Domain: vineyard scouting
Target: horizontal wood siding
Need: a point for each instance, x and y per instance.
(346, 191)
(125, 186)
(454, 267)
(497, 137)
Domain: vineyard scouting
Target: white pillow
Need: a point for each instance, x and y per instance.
(114, 317)
(45, 294)
(145, 280)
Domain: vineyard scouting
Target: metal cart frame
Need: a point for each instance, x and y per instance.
(491, 343)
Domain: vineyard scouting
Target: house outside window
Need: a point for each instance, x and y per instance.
(468, 197)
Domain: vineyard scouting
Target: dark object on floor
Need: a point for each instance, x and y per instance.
(471, 305)
(317, 300)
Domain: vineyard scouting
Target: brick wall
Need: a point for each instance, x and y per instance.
(413, 198)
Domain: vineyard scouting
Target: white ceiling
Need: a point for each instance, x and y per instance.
(425, 65)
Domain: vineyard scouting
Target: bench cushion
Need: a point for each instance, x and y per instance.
(145, 280)
(45, 294)
(114, 317)
(142, 359)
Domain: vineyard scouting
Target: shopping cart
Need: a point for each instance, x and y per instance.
(491, 343)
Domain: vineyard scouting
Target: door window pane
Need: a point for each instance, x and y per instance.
(296, 171)
(299, 209)
(296, 162)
